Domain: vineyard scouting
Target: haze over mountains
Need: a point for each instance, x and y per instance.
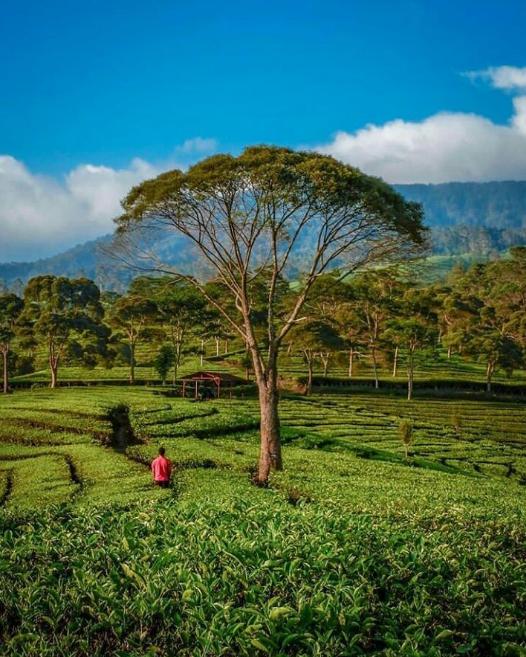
(478, 218)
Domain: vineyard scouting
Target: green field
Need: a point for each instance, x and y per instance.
(352, 550)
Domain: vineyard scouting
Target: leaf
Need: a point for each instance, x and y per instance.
(133, 575)
(257, 644)
(278, 612)
(445, 634)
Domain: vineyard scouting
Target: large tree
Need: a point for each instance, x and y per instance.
(11, 308)
(65, 314)
(286, 213)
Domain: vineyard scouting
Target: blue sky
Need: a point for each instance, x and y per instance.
(108, 81)
(95, 92)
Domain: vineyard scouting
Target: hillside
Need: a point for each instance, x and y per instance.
(478, 218)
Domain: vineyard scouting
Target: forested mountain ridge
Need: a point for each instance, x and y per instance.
(478, 218)
(497, 205)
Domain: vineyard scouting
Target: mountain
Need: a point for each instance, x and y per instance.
(498, 205)
(476, 218)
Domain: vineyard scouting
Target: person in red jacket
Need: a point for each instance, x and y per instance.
(161, 469)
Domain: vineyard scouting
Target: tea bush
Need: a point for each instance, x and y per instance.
(350, 551)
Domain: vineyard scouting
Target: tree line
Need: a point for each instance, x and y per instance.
(382, 314)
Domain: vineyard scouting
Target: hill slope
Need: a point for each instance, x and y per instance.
(464, 217)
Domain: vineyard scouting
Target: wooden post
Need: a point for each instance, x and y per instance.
(218, 379)
(184, 388)
(196, 388)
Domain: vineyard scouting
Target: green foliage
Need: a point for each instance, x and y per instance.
(66, 315)
(349, 551)
(164, 361)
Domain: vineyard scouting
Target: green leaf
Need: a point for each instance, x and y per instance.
(445, 634)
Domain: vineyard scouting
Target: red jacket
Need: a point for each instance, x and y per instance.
(161, 469)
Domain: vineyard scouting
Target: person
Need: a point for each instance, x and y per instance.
(161, 469)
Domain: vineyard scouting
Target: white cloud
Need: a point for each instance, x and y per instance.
(197, 145)
(510, 78)
(41, 216)
(441, 148)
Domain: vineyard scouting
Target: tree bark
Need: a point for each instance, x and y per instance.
(395, 361)
(5, 352)
(449, 353)
(270, 447)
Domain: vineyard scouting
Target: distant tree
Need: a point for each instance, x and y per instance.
(316, 339)
(492, 298)
(133, 316)
(164, 361)
(414, 328)
(182, 311)
(290, 214)
(66, 315)
(375, 296)
(11, 308)
(331, 301)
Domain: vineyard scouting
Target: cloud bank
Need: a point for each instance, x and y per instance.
(41, 216)
(446, 146)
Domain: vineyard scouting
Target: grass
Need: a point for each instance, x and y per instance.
(350, 551)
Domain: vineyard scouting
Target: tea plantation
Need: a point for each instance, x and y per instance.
(352, 550)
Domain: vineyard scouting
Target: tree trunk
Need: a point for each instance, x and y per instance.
(217, 346)
(325, 361)
(226, 347)
(489, 374)
(309, 377)
(375, 367)
(351, 362)
(132, 363)
(53, 366)
(395, 361)
(5, 352)
(410, 375)
(202, 352)
(449, 352)
(270, 448)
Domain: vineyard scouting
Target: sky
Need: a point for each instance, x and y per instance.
(96, 96)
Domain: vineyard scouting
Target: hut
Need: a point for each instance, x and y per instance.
(214, 383)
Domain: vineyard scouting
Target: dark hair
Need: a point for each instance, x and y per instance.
(162, 451)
